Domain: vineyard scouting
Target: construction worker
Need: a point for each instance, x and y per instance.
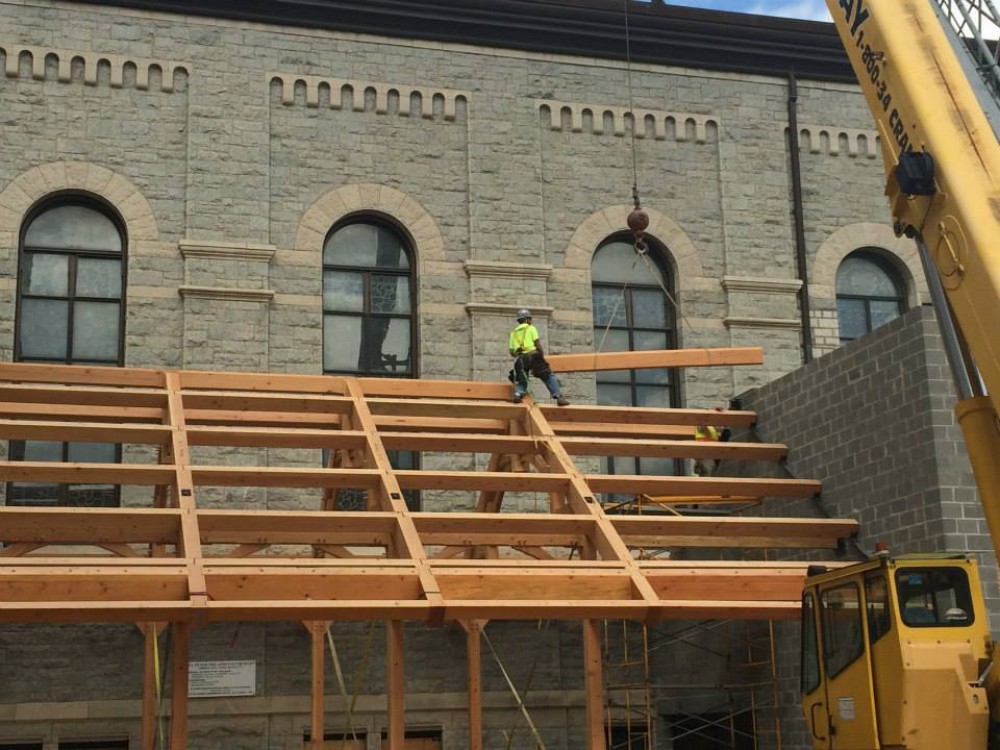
(705, 467)
(526, 348)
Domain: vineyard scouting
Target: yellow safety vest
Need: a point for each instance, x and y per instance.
(523, 338)
(709, 433)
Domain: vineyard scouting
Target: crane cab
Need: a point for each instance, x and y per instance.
(895, 654)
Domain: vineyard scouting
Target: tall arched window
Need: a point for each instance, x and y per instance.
(632, 313)
(369, 326)
(870, 293)
(70, 310)
(368, 301)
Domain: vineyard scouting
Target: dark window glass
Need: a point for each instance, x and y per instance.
(841, 614)
(810, 646)
(369, 326)
(934, 597)
(94, 745)
(632, 313)
(870, 293)
(368, 302)
(70, 310)
(21, 746)
(877, 604)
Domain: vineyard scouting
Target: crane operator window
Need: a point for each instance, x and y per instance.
(934, 597)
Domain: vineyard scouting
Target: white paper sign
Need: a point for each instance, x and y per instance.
(221, 679)
(846, 708)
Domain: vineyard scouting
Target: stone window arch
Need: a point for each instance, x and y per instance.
(633, 312)
(870, 292)
(71, 289)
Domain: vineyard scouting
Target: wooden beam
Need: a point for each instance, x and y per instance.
(632, 360)
(179, 698)
(481, 480)
(72, 473)
(458, 442)
(149, 688)
(395, 684)
(89, 525)
(72, 395)
(317, 634)
(91, 432)
(732, 531)
(728, 451)
(271, 437)
(474, 677)
(631, 484)
(593, 685)
(608, 415)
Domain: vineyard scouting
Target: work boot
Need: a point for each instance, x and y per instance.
(562, 401)
(518, 398)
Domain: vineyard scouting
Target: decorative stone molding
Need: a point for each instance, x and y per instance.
(827, 138)
(336, 86)
(738, 322)
(611, 220)
(91, 62)
(226, 251)
(226, 293)
(505, 311)
(25, 190)
(498, 269)
(762, 285)
(348, 200)
(847, 239)
(662, 121)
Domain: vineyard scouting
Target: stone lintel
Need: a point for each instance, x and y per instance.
(505, 311)
(500, 269)
(756, 284)
(735, 322)
(227, 293)
(226, 250)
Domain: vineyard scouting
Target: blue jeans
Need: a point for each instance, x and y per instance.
(521, 380)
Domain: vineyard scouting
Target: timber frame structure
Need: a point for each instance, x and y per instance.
(170, 560)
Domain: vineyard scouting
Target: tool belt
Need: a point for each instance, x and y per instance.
(534, 363)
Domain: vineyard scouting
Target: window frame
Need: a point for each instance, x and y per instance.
(844, 657)
(876, 258)
(658, 256)
(99, 206)
(366, 314)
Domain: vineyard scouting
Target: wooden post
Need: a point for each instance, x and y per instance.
(395, 691)
(472, 640)
(594, 683)
(179, 698)
(317, 631)
(149, 688)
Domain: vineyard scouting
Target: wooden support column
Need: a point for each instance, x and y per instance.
(395, 684)
(179, 698)
(594, 685)
(317, 633)
(149, 688)
(473, 632)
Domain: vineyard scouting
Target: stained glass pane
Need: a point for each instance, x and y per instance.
(863, 277)
(852, 318)
(46, 275)
(95, 331)
(343, 291)
(342, 343)
(99, 278)
(391, 252)
(649, 308)
(390, 294)
(609, 306)
(43, 328)
(73, 228)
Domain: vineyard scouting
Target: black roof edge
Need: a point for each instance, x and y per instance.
(658, 33)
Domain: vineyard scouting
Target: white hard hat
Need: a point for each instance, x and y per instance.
(522, 314)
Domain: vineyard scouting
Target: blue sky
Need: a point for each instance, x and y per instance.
(812, 10)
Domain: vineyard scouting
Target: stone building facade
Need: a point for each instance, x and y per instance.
(228, 144)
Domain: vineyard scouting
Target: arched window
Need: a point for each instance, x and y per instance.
(369, 327)
(368, 301)
(631, 313)
(870, 293)
(70, 310)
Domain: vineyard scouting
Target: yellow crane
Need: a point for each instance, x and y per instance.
(896, 652)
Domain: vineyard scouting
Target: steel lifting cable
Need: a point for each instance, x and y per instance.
(513, 689)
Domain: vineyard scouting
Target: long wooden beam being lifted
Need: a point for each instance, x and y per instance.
(604, 361)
